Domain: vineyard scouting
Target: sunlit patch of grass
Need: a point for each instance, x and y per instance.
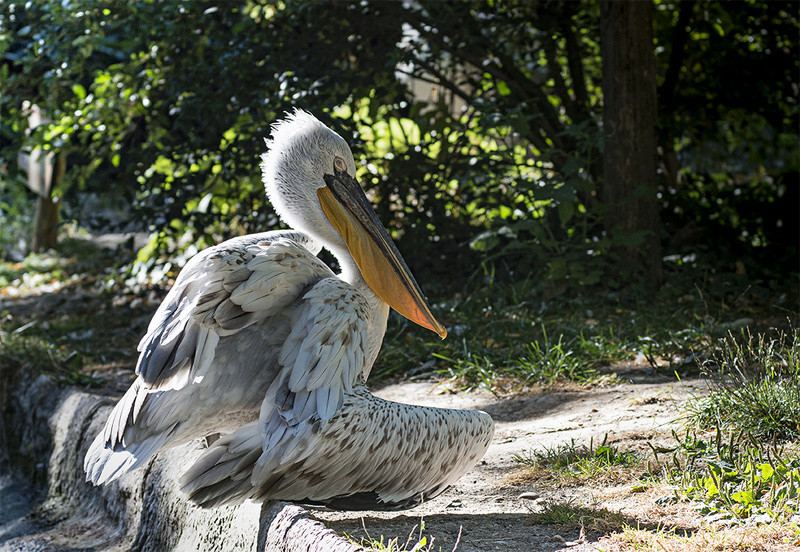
(734, 480)
(775, 538)
(76, 257)
(738, 459)
(577, 461)
(508, 332)
(19, 351)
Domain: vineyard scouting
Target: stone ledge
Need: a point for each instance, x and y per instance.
(49, 427)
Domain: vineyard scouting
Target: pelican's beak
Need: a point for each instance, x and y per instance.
(381, 264)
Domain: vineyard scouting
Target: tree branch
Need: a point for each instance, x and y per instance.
(442, 80)
(560, 86)
(521, 87)
(575, 64)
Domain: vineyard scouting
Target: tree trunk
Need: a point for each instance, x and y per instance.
(48, 209)
(629, 126)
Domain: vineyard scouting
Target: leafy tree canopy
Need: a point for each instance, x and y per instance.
(477, 122)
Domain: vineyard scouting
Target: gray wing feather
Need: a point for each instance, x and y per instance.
(372, 454)
(221, 291)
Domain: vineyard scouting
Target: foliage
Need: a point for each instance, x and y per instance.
(749, 538)
(739, 479)
(730, 164)
(738, 457)
(16, 219)
(572, 514)
(503, 339)
(416, 541)
(135, 104)
(19, 351)
(476, 122)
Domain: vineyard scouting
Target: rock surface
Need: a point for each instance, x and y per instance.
(142, 511)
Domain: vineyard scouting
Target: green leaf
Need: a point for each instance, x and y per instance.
(745, 497)
(767, 471)
(565, 211)
(485, 241)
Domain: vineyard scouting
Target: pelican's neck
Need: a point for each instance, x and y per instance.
(378, 309)
(349, 271)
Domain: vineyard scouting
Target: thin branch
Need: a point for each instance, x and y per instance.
(554, 69)
(575, 64)
(521, 87)
(442, 80)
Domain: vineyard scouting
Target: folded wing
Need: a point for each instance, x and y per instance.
(323, 438)
(210, 349)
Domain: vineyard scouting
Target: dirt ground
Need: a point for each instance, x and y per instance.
(494, 507)
(484, 511)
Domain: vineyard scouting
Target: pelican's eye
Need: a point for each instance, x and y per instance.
(339, 164)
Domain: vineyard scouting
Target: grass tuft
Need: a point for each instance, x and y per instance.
(775, 538)
(755, 387)
(572, 515)
(19, 351)
(738, 459)
(511, 335)
(571, 460)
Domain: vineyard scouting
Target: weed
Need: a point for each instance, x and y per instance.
(20, 351)
(416, 541)
(735, 478)
(736, 459)
(776, 538)
(570, 514)
(506, 334)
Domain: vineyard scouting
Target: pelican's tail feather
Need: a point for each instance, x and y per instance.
(122, 445)
(222, 474)
(103, 464)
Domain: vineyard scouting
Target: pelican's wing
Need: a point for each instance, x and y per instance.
(218, 293)
(221, 291)
(321, 361)
(323, 438)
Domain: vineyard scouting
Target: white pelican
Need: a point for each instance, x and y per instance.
(260, 341)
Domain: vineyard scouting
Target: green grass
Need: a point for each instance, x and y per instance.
(505, 337)
(19, 351)
(755, 386)
(738, 459)
(76, 257)
(735, 479)
(571, 514)
(415, 542)
(576, 460)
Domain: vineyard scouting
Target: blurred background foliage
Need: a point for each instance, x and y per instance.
(477, 126)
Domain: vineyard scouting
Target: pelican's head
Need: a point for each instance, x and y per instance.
(309, 174)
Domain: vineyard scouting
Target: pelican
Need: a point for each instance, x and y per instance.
(260, 342)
